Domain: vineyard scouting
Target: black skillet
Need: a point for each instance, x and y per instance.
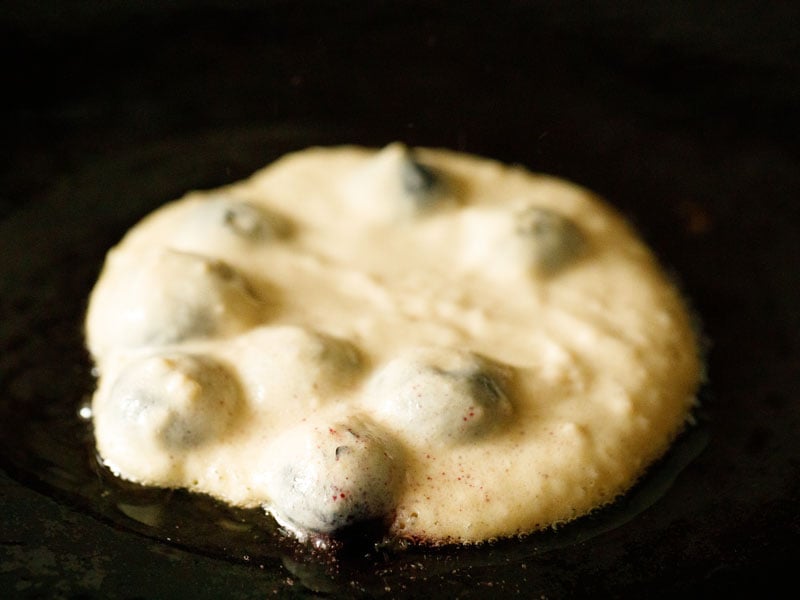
(684, 116)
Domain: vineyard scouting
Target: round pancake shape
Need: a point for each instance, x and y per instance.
(462, 349)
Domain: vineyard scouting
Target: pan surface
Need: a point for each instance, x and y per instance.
(685, 118)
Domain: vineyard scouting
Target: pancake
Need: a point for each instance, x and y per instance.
(460, 349)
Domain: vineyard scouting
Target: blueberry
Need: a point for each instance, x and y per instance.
(420, 182)
(175, 401)
(395, 185)
(250, 222)
(295, 366)
(551, 240)
(441, 396)
(168, 297)
(220, 216)
(330, 476)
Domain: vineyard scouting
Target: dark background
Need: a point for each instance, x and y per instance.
(684, 114)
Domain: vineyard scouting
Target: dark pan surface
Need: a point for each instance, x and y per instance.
(684, 117)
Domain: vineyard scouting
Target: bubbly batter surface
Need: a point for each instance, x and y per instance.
(462, 349)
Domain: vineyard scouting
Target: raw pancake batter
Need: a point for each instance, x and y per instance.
(459, 348)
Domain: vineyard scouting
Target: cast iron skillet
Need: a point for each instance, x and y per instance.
(682, 119)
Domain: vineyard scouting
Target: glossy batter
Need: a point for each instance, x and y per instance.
(462, 349)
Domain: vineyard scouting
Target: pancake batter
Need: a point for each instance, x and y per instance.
(459, 348)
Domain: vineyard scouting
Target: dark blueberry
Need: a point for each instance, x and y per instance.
(441, 395)
(251, 222)
(179, 296)
(555, 241)
(330, 477)
(419, 181)
(177, 401)
(394, 185)
(216, 216)
(285, 363)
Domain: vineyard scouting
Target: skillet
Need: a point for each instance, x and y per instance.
(684, 117)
